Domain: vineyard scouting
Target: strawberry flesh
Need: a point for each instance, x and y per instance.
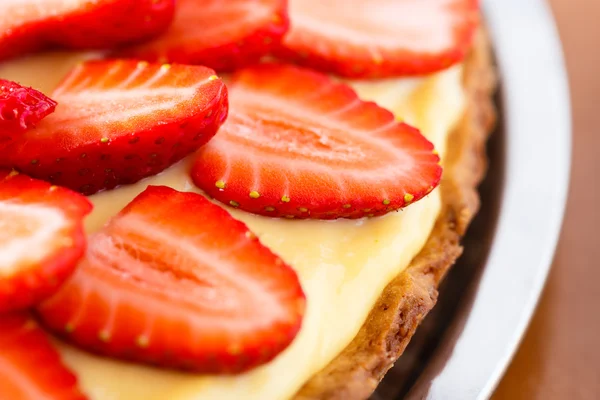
(118, 122)
(220, 35)
(30, 367)
(30, 25)
(379, 38)
(299, 145)
(175, 281)
(41, 238)
(21, 107)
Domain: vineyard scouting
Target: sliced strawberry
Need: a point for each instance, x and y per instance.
(41, 238)
(21, 108)
(29, 25)
(30, 368)
(120, 121)
(299, 145)
(174, 280)
(380, 38)
(221, 35)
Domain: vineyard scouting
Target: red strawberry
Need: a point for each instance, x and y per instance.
(41, 238)
(28, 25)
(120, 121)
(174, 280)
(30, 368)
(299, 145)
(20, 109)
(380, 38)
(221, 35)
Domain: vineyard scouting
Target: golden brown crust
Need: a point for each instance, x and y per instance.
(356, 372)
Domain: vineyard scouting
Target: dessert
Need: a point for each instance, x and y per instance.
(364, 294)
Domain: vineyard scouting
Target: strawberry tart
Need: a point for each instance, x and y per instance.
(251, 199)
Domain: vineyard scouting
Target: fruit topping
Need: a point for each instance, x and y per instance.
(219, 34)
(41, 238)
(29, 25)
(30, 367)
(299, 145)
(21, 108)
(120, 121)
(381, 38)
(175, 281)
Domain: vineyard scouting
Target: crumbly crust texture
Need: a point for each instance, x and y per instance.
(358, 369)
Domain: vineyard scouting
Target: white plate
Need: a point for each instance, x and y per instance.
(536, 120)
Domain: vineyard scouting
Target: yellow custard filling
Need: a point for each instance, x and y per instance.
(343, 265)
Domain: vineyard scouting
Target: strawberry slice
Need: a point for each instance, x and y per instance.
(29, 25)
(175, 281)
(30, 368)
(20, 109)
(379, 38)
(41, 238)
(221, 35)
(299, 145)
(120, 121)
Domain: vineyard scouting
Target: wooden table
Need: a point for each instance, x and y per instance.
(559, 357)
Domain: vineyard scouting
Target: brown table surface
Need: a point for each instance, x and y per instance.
(559, 357)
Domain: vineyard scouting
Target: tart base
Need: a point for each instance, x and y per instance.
(358, 369)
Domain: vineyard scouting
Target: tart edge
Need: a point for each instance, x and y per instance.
(404, 303)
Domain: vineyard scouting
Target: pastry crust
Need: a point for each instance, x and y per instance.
(358, 369)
